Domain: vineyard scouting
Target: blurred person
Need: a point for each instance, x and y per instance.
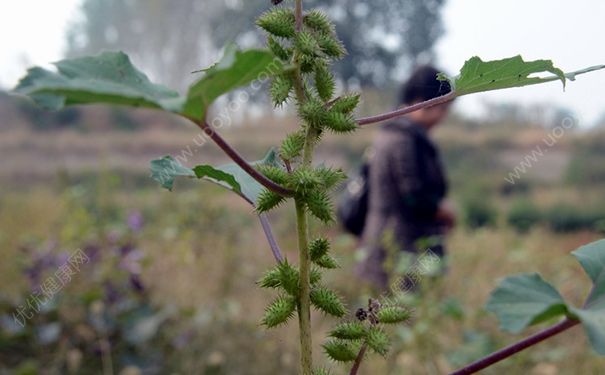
(407, 184)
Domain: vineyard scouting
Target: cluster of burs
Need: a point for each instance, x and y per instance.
(308, 53)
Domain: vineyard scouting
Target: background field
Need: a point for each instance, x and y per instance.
(170, 287)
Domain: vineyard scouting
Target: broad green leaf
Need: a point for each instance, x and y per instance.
(592, 259)
(477, 75)
(108, 78)
(230, 176)
(522, 300)
(592, 316)
(235, 69)
(593, 321)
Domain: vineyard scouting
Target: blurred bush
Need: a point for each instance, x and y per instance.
(523, 215)
(564, 217)
(479, 212)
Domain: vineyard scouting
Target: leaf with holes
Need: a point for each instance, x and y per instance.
(477, 75)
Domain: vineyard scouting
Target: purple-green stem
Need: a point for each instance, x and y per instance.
(358, 359)
(515, 348)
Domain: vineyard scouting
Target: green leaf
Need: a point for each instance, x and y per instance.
(592, 316)
(164, 171)
(108, 78)
(477, 75)
(592, 259)
(522, 300)
(230, 176)
(236, 69)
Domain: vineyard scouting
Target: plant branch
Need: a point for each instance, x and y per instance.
(403, 111)
(269, 234)
(239, 160)
(517, 347)
(358, 359)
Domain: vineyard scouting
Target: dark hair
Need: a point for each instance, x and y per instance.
(423, 85)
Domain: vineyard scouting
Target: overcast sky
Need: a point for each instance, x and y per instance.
(32, 32)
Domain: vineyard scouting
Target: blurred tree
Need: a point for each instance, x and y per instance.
(166, 39)
(384, 37)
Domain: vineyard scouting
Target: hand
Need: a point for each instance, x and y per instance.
(446, 214)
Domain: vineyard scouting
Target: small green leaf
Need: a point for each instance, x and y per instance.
(477, 75)
(522, 300)
(340, 351)
(230, 176)
(164, 171)
(108, 78)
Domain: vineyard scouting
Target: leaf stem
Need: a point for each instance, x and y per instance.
(516, 347)
(239, 160)
(358, 359)
(403, 111)
(269, 234)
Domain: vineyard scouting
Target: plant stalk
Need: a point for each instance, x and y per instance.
(516, 347)
(304, 302)
(405, 110)
(358, 360)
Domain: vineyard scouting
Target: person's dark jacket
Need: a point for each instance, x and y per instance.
(406, 185)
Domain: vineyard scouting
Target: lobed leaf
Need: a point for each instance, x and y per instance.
(477, 75)
(230, 176)
(111, 78)
(108, 78)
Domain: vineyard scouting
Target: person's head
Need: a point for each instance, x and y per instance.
(421, 86)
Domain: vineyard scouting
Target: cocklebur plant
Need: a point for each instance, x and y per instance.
(301, 48)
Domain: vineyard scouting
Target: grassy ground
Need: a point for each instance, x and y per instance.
(204, 251)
